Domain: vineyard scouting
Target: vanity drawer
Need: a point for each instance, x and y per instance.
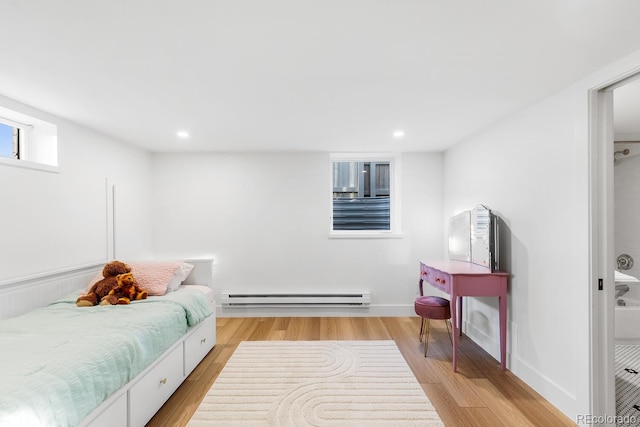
(427, 273)
(435, 277)
(199, 344)
(443, 281)
(150, 393)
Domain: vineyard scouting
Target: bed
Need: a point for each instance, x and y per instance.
(63, 365)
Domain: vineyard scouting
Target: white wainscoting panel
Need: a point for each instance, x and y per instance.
(19, 297)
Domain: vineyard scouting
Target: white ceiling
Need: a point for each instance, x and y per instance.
(299, 74)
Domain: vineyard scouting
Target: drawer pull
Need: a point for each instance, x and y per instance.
(163, 381)
(203, 340)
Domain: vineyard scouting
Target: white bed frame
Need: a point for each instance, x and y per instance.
(135, 403)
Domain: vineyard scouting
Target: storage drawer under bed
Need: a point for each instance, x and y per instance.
(199, 343)
(149, 394)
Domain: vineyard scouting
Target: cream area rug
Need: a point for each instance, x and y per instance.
(316, 383)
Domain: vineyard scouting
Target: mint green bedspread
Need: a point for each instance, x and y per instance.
(58, 363)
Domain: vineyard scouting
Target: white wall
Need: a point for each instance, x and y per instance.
(533, 170)
(627, 205)
(522, 170)
(55, 221)
(264, 217)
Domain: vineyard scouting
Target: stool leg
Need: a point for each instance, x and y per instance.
(426, 338)
(446, 321)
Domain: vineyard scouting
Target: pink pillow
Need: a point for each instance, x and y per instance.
(155, 277)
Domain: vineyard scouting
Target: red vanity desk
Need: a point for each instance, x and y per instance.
(459, 279)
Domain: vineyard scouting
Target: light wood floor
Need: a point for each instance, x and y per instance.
(479, 394)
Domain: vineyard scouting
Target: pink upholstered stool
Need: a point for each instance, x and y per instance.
(432, 307)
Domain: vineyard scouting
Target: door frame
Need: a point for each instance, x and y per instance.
(602, 246)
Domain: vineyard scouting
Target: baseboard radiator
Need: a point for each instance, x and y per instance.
(346, 299)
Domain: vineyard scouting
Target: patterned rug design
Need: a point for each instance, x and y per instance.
(316, 383)
(627, 370)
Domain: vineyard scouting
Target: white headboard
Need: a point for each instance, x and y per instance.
(202, 273)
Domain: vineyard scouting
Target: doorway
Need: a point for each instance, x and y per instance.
(612, 123)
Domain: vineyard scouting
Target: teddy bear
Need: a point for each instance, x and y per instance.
(102, 287)
(126, 290)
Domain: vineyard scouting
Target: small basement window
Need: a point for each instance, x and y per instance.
(27, 142)
(10, 136)
(364, 195)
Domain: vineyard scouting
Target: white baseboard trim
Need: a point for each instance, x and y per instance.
(554, 393)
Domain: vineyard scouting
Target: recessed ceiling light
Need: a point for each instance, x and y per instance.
(398, 134)
(182, 134)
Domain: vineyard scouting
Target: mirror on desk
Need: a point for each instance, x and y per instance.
(460, 237)
(473, 237)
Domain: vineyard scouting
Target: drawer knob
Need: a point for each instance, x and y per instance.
(203, 340)
(163, 381)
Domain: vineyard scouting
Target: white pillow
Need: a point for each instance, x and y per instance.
(179, 275)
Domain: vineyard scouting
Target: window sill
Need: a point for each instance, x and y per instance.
(26, 164)
(365, 235)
